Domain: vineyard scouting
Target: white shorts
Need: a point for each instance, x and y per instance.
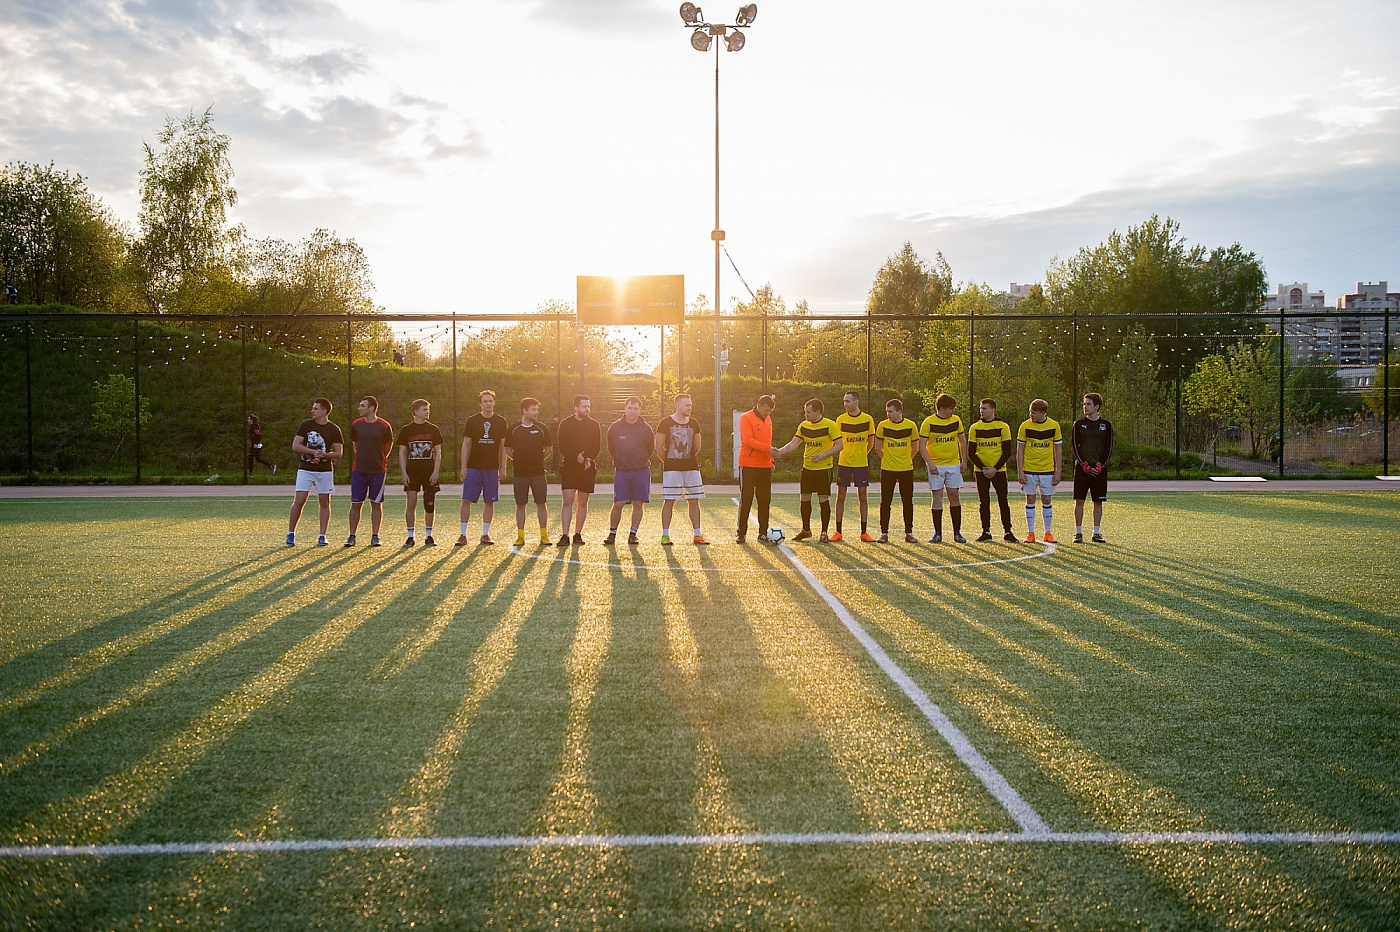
(681, 483)
(322, 482)
(945, 477)
(1038, 481)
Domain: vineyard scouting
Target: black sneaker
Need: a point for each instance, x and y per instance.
(1098, 539)
(1010, 538)
(563, 541)
(578, 540)
(802, 535)
(429, 542)
(408, 542)
(985, 538)
(741, 539)
(350, 541)
(1078, 538)
(610, 539)
(374, 541)
(632, 538)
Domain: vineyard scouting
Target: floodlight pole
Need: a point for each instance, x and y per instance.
(718, 236)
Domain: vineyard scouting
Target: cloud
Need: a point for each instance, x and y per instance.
(602, 15)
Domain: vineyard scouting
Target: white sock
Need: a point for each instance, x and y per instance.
(665, 531)
(634, 530)
(1046, 513)
(464, 529)
(1030, 519)
(486, 529)
(427, 530)
(1079, 529)
(697, 530)
(1096, 529)
(410, 533)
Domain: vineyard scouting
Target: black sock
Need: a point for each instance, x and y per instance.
(838, 525)
(938, 520)
(957, 518)
(807, 516)
(863, 528)
(826, 515)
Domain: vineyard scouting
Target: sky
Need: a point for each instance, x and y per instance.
(484, 153)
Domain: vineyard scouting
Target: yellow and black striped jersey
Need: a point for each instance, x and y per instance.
(1040, 440)
(898, 439)
(985, 439)
(817, 439)
(856, 430)
(941, 436)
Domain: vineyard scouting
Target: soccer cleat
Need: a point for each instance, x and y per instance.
(883, 539)
(544, 537)
(823, 539)
(322, 542)
(485, 541)
(578, 540)
(563, 541)
(1010, 538)
(699, 540)
(291, 540)
(803, 534)
(1048, 538)
(985, 537)
(866, 538)
(958, 538)
(1030, 537)
(520, 538)
(1098, 539)
(374, 541)
(741, 539)
(665, 540)
(461, 541)
(633, 538)
(837, 538)
(936, 539)
(1079, 538)
(909, 538)
(408, 542)
(350, 541)
(610, 539)
(429, 542)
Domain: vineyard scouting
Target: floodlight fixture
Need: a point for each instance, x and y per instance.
(747, 14)
(734, 41)
(700, 40)
(690, 14)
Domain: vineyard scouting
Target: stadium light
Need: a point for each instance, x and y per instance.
(701, 39)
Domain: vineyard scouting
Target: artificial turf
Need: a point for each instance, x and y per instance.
(169, 673)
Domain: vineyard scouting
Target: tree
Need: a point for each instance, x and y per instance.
(185, 248)
(534, 346)
(1238, 387)
(58, 243)
(1142, 408)
(1375, 396)
(1315, 392)
(114, 410)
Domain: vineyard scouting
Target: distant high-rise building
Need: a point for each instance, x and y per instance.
(1018, 292)
(1342, 341)
(1361, 340)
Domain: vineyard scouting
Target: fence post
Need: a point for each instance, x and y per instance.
(456, 424)
(971, 359)
(1282, 342)
(1177, 354)
(1074, 365)
(136, 368)
(1385, 396)
(29, 396)
(243, 331)
(349, 385)
(680, 359)
(765, 350)
(867, 357)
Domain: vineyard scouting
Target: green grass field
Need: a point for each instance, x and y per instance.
(169, 673)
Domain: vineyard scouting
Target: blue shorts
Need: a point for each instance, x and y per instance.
(859, 476)
(481, 482)
(632, 485)
(366, 485)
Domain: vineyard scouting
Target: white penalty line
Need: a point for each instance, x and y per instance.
(271, 846)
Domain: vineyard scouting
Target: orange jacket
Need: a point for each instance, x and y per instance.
(755, 440)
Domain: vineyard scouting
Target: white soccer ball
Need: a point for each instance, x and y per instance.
(776, 535)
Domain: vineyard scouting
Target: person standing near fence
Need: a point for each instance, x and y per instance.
(255, 445)
(630, 444)
(373, 438)
(318, 444)
(756, 465)
(945, 450)
(484, 459)
(1039, 455)
(1092, 439)
(896, 443)
(420, 464)
(580, 440)
(821, 440)
(853, 463)
(527, 444)
(989, 449)
(678, 445)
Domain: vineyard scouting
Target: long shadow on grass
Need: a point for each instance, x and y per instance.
(112, 773)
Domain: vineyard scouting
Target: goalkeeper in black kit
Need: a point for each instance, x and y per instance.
(1092, 438)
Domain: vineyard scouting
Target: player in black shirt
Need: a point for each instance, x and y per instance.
(1092, 439)
(483, 464)
(318, 444)
(527, 443)
(420, 462)
(580, 440)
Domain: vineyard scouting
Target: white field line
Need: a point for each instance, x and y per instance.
(270, 846)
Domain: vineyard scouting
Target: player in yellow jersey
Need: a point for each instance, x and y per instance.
(853, 463)
(820, 439)
(989, 448)
(1039, 452)
(945, 451)
(896, 443)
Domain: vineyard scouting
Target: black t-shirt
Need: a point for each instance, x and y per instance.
(680, 443)
(575, 437)
(485, 434)
(419, 440)
(373, 440)
(526, 445)
(321, 437)
(1092, 440)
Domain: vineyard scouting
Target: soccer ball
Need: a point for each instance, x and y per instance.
(776, 535)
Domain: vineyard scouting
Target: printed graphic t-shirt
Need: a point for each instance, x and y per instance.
(898, 439)
(817, 439)
(941, 435)
(680, 443)
(1040, 440)
(321, 437)
(485, 433)
(856, 430)
(986, 438)
(419, 440)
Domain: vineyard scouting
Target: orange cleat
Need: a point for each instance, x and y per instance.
(1048, 538)
(866, 538)
(837, 537)
(1030, 538)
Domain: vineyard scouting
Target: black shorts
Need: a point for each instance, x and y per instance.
(1087, 486)
(816, 481)
(525, 485)
(578, 478)
(414, 483)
